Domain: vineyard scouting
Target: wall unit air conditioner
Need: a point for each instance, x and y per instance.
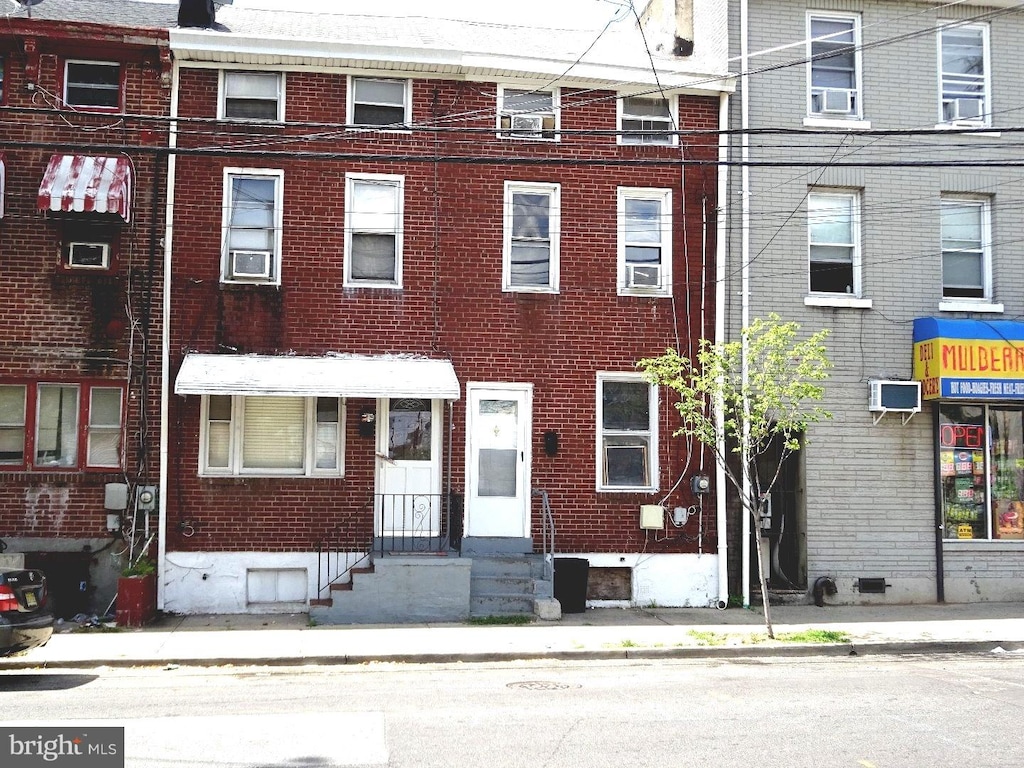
(88, 255)
(250, 264)
(837, 101)
(900, 396)
(643, 276)
(963, 109)
(527, 125)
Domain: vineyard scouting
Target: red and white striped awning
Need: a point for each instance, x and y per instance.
(3, 181)
(82, 183)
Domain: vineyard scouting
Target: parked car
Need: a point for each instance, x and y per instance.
(26, 619)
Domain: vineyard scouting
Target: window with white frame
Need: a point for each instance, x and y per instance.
(646, 120)
(833, 234)
(834, 65)
(627, 433)
(966, 257)
(531, 242)
(92, 84)
(252, 226)
(252, 96)
(61, 426)
(269, 436)
(645, 241)
(373, 230)
(527, 114)
(963, 73)
(380, 102)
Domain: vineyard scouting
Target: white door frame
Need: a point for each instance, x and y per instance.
(383, 462)
(523, 394)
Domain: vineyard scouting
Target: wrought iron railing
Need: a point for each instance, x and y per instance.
(346, 546)
(412, 522)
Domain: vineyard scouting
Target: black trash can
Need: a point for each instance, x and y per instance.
(571, 574)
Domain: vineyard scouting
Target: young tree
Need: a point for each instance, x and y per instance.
(730, 410)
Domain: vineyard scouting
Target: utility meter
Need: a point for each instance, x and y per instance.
(145, 498)
(700, 484)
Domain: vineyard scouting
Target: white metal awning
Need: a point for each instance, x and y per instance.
(82, 183)
(332, 376)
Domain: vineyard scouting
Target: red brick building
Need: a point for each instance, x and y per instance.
(409, 286)
(83, 110)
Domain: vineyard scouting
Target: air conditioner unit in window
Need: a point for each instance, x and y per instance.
(527, 125)
(88, 255)
(837, 101)
(250, 264)
(898, 396)
(643, 276)
(963, 109)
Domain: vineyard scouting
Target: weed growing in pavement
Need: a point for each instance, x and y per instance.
(707, 638)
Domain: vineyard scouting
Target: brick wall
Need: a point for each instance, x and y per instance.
(451, 304)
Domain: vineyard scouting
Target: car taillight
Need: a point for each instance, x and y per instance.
(8, 602)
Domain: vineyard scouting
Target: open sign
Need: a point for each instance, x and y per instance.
(961, 435)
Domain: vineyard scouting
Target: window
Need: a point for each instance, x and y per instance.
(532, 228)
(527, 114)
(963, 74)
(252, 96)
(627, 436)
(645, 241)
(981, 452)
(965, 249)
(94, 84)
(252, 223)
(47, 426)
(373, 230)
(654, 116)
(385, 103)
(833, 233)
(252, 435)
(834, 65)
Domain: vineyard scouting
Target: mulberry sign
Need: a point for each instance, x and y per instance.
(969, 359)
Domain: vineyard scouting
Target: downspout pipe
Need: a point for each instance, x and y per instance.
(165, 342)
(745, 281)
(940, 523)
(720, 298)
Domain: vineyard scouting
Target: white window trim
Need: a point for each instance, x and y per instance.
(664, 195)
(398, 182)
(652, 454)
(986, 257)
(855, 196)
(236, 447)
(858, 114)
(673, 108)
(92, 429)
(226, 205)
(554, 193)
(222, 95)
(120, 85)
(986, 118)
(556, 111)
(350, 104)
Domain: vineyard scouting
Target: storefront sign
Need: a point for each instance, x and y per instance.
(969, 359)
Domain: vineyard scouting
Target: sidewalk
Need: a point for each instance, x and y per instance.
(599, 633)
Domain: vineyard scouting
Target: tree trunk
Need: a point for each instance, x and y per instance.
(761, 580)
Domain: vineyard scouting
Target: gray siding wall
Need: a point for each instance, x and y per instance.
(870, 487)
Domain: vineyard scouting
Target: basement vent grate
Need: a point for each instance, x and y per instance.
(872, 586)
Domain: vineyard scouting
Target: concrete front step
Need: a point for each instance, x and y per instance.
(507, 584)
(501, 605)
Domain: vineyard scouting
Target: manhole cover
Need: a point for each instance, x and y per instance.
(541, 685)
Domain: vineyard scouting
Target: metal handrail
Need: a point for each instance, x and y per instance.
(412, 522)
(547, 534)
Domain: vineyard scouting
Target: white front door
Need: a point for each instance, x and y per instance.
(408, 468)
(498, 459)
